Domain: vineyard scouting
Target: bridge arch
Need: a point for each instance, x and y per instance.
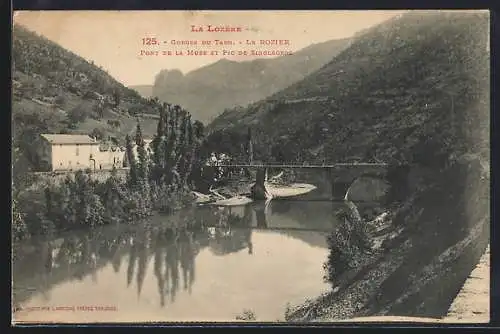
(388, 184)
(367, 187)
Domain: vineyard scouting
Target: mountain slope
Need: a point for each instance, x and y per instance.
(57, 91)
(208, 91)
(405, 80)
(416, 90)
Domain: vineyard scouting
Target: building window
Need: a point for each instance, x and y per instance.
(77, 150)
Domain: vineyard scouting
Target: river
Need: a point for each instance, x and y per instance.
(207, 263)
(199, 264)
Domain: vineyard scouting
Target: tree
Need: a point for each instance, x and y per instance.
(132, 175)
(143, 163)
(170, 148)
(116, 98)
(67, 201)
(112, 198)
(198, 130)
(250, 146)
(79, 113)
(189, 151)
(158, 146)
(98, 109)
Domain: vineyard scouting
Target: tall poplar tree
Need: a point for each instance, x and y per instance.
(142, 165)
(158, 146)
(250, 146)
(132, 175)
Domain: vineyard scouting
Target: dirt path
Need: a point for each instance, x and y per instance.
(472, 303)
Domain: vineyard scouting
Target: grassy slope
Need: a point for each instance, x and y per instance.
(44, 71)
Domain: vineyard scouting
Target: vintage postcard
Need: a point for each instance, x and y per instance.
(250, 166)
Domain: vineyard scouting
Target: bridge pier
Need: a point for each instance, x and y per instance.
(258, 190)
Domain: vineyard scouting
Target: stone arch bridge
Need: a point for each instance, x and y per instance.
(342, 175)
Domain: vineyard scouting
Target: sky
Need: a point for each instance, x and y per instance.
(114, 39)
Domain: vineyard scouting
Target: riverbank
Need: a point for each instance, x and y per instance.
(421, 269)
(472, 304)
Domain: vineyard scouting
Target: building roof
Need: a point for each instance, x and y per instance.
(69, 139)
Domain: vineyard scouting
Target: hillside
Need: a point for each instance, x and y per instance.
(413, 90)
(206, 92)
(143, 90)
(405, 80)
(57, 91)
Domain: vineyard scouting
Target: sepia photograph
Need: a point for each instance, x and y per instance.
(250, 166)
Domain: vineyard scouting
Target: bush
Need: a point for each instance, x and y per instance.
(80, 113)
(136, 205)
(349, 245)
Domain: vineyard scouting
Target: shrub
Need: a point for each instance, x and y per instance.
(80, 113)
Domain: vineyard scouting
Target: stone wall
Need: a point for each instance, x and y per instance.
(41, 178)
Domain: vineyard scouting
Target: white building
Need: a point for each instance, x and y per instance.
(74, 152)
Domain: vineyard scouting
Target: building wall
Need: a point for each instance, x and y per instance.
(78, 156)
(107, 159)
(73, 156)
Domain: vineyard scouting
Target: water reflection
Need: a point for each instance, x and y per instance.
(233, 232)
(171, 245)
